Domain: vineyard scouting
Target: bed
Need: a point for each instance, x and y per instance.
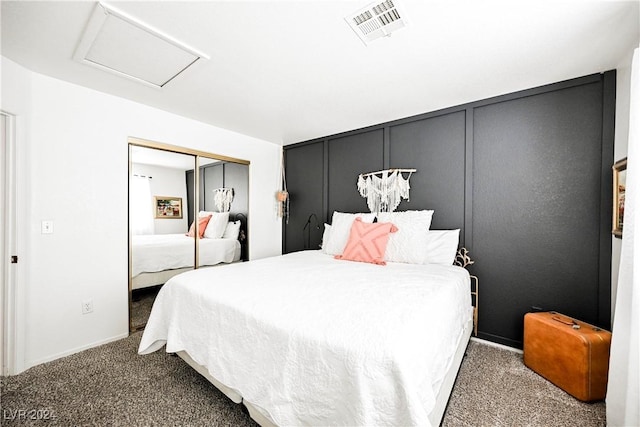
(158, 257)
(307, 339)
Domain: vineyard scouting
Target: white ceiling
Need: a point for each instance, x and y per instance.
(288, 71)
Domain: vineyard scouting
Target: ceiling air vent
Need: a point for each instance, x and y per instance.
(376, 20)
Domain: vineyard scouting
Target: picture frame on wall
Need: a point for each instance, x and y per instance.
(619, 192)
(168, 207)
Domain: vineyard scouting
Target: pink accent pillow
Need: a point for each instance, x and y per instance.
(202, 225)
(367, 242)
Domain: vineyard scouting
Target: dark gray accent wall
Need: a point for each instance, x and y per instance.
(218, 175)
(525, 176)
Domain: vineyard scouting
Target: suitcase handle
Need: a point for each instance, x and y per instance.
(569, 322)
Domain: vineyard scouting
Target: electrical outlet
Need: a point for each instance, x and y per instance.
(87, 306)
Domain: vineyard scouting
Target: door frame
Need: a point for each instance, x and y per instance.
(9, 271)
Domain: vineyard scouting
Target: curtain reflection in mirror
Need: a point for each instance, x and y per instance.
(141, 206)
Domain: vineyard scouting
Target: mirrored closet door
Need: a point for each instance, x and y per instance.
(165, 239)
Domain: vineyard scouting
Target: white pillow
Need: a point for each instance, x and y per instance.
(408, 243)
(325, 238)
(217, 224)
(341, 227)
(232, 230)
(442, 246)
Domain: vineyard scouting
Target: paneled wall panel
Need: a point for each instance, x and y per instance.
(190, 182)
(435, 146)
(350, 156)
(536, 205)
(236, 176)
(211, 177)
(305, 170)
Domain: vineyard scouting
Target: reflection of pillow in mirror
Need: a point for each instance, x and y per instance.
(202, 226)
(232, 230)
(217, 225)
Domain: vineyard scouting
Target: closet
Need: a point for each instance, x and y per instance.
(162, 209)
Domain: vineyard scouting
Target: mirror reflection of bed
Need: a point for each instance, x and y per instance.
(162, 209)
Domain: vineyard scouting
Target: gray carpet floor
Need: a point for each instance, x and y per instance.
(111, 385)
(494, 388)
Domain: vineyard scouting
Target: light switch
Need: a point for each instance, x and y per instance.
(47, 227)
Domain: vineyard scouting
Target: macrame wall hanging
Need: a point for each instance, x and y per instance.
(384, 190)
(222, 198)
(282, 196)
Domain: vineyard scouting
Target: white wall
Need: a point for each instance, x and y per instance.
(166, 182)
(63, 129)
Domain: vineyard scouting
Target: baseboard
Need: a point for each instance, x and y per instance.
(494, 344)
(31, 364)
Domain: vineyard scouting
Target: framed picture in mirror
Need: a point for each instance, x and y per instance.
(168, 207)
(619, 191)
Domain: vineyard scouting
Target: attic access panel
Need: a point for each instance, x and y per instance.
(377, 19)
(118, 43)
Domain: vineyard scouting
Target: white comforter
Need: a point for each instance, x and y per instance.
(316, 341)
(159, 252)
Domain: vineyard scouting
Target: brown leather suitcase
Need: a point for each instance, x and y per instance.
(573, 355)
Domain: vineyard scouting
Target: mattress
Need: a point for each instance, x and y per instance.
(312, 340)
(159, 252)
